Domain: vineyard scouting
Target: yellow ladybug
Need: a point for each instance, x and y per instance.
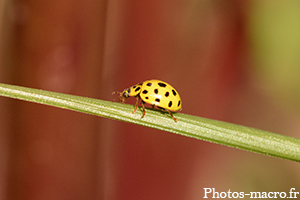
(156, 93)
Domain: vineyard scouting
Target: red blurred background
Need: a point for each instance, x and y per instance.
(93, 48)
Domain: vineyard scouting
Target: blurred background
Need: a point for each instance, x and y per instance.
(235, 61)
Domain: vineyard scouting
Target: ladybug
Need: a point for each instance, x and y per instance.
(156, 93)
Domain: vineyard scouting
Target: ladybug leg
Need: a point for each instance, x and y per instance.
(144, 112)
(136, 104)
(172, 115)
(168, 112)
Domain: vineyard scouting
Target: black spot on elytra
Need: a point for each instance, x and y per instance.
(162, 84)
(167, 94)
(146, 97)
(145, 91)
(157, 100)
(149, 84)
(179, 102)
(156, 91)
(137, 89)
(174, 92)
(170, 104)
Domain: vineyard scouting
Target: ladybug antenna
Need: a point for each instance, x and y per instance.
(119, 93)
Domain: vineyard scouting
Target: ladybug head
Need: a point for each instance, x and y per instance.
(124, 95)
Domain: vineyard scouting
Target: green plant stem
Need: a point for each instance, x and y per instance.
(219, 132)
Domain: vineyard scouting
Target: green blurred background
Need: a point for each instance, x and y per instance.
(235, 61)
